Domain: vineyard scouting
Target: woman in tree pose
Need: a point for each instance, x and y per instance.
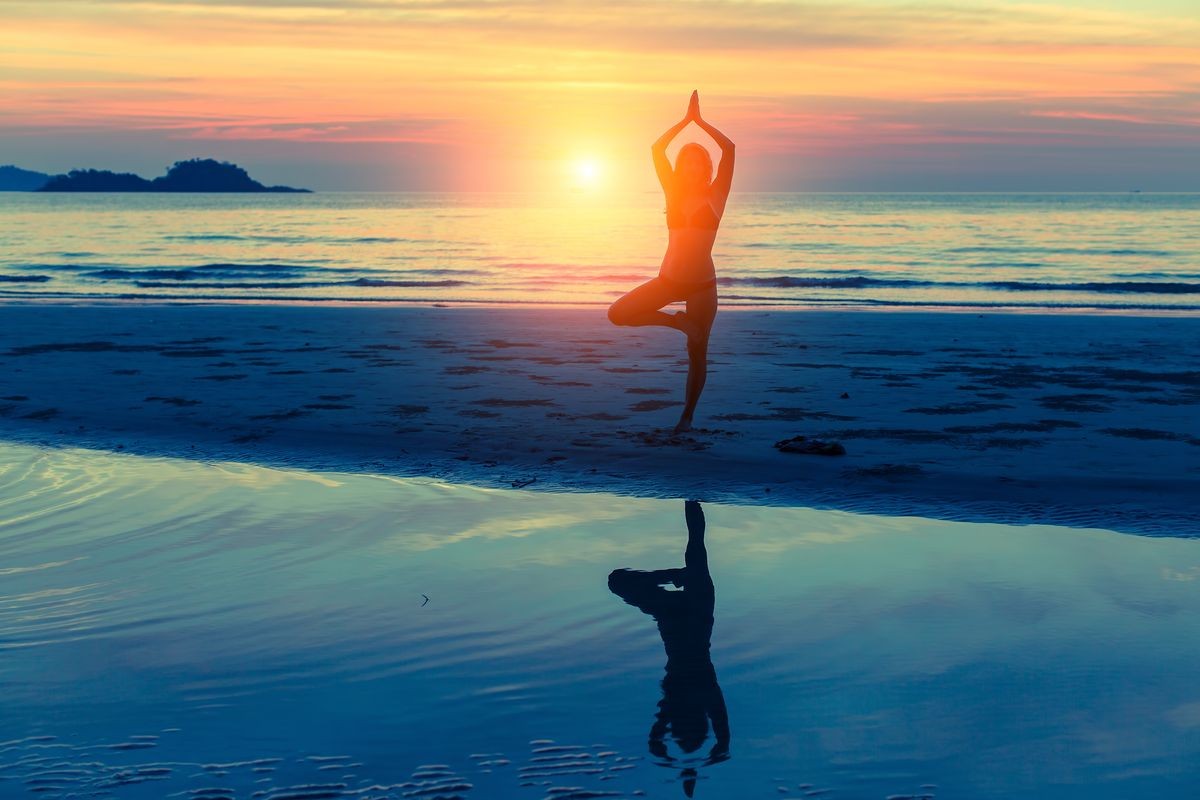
(695, 204)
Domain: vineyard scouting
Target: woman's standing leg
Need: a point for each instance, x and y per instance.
(701, 311)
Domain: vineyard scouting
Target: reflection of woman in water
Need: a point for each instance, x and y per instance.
(691, 695)
(695, 204)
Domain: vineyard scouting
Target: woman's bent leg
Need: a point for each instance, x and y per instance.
(640, 306)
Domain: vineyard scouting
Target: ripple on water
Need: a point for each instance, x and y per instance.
(48, 767)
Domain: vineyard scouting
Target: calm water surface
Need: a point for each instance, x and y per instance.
(178, 629)
(1123, 251)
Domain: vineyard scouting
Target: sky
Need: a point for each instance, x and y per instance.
(483, 95)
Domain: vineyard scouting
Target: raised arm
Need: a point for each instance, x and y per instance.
(724, 178)
(658, 151)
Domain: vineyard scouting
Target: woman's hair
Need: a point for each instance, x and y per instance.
(699, 151)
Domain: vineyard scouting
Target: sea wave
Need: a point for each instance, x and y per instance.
(292, 238)
(1048, 305)
(795, 282)
(383, 282)
(1087, 251)
(233, 270)
(864, 282)
(189, 273)
(1119, 287)
(232, 276)
(368, 282)
(797, 301)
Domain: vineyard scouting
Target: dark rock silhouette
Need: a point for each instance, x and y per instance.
(15, 179)
(195, 175)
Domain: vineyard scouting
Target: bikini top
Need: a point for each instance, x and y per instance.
(703, 217)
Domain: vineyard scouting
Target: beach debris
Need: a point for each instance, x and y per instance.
(887, 471)
(521, 483)
(665, 437)
(812, 447)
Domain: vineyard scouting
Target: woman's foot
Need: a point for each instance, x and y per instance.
(684, 425)
(683, 323)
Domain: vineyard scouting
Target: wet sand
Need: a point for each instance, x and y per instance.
(1072, 419)
(224, 631)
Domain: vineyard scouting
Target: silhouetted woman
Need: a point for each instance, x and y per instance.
(691, 695)
(695, 204)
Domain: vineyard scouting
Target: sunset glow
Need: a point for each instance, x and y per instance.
(587, 174)
(480, 95)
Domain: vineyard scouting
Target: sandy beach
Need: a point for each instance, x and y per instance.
(1083, 420)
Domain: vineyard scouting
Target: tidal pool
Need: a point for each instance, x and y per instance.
(172, 628)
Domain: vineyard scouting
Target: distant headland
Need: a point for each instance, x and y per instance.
(194, 175)
(15, 179)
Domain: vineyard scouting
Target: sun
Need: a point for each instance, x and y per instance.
(587, 173)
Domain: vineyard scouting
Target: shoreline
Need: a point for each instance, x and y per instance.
(1081, 420)
(836, 306)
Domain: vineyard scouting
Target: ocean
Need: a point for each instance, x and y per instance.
(1138, 252)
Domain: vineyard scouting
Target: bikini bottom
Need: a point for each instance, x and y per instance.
(685, 289)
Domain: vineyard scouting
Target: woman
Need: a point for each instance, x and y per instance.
(695, 204)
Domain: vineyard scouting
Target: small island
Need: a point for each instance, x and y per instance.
(194, 175)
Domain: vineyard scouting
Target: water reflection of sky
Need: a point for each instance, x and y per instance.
(978, 250)
(263, 629)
